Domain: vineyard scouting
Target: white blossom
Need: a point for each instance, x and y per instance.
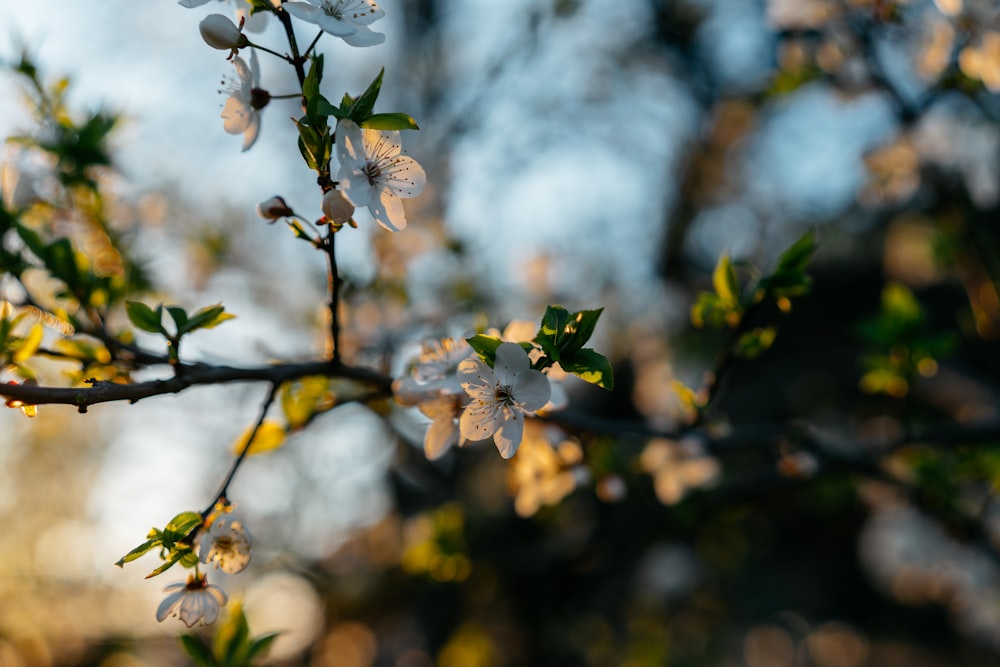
(227, 544)
(374, 173)
(274, 208)
(501, 396)
(435, 372)
(443, 432)
(337, 208)
(221, 33)
(196, 600)
(347, 19)
(241, 114)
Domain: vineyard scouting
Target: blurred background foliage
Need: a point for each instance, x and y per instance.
(824, 497)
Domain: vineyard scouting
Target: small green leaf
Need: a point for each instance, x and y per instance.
(180, 526)
(485, 347)
(753, 343)
(171, 560)
(390, 121)
(310, 87)
(144, 317)
(139, 551)
(797, 257)
(579, 329)
(364, 104)
(590, 366)
(259, 645)
(209, 317)
(60, 259)
(553, 322)
(180, 318)
(724, 280)
(232, 639)
(319, 107)
(198, 651)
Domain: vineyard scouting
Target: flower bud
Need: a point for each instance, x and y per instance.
(336, 208)
(221, 33)
(274, 208)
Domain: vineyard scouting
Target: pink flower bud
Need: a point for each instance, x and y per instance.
(274, 208)
(221, 33)
(336, 208)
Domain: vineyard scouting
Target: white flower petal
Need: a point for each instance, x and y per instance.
(441, 436)
(531, 390)
(508, 437)
(480, 420)
(473, 373)
(236, 116)
(169, 602)
(253, 129)
(388, 211)
(511, 360)
(406, 178)
(363, 36)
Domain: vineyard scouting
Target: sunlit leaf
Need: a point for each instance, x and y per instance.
(390, 121)
(364, 104)
(29, 344)
(144, 317)
(198, 651)
(590, 366)
(139, 551)
(208, 318)
(753, 343)
(270, 436)
(231, 643)
(724, 280)
(485, 346)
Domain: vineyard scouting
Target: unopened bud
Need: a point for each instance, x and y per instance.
(274, 208)
(336, 208)
(221, 33)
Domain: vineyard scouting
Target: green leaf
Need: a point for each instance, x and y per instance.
(32, 240)
(144, 317)
(208, 318)
(753, 343)
(797, 257)
(180, 318)
(320, 107)
(310, 87)
(579, 329)
(553, 322)
(259, 645)
(180, 526)
(60, 260)
(198, 651)
(313, 144)
(232, 639)
(724, 280)
(364, 104)
(485, 347)
(590, 366)
(139, 551)
(390, 121)
(172, 559)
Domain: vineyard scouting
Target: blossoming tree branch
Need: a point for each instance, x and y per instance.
(479, 389)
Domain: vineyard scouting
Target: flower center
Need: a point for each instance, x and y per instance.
(372, 172)
(502, 394)
(333, 8)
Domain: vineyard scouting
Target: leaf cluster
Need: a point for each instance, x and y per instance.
(315, 139)
(560, 339)
(172, 543)
(727, 305)
(231, 645)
